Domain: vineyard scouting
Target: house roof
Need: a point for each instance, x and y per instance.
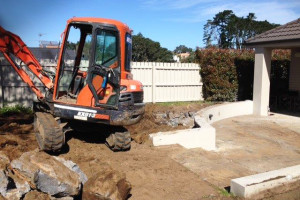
(49, 43)
(289, 31)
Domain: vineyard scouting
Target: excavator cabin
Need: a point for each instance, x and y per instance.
(92, 81)
(94, 71)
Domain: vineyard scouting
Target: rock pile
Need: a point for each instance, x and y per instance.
(175, 119)
(38, 175)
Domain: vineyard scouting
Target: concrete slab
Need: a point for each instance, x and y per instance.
(245, 145)
(204, 137)
(251, 186)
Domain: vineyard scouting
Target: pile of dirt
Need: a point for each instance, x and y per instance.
(149, 124)
(16, 135)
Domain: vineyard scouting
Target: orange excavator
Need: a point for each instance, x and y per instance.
(92, 82)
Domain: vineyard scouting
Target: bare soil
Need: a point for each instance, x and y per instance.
(140, 131)
(16, 135)
(245, 146)
(152, 173)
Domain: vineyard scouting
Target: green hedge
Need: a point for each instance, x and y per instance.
(227, 74)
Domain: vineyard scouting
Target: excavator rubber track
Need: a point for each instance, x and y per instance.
(119, 141)
(49, 134)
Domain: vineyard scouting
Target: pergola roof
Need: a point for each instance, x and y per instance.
(285, 33)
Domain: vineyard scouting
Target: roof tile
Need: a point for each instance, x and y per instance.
(289, 31)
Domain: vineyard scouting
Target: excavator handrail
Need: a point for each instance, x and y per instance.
(11, 44)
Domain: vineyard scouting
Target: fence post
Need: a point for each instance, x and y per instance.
(153, 82)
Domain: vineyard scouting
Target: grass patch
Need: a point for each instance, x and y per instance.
(18, 109)
(225, 193)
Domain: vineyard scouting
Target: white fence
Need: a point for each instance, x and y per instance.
(163, 82)
(167, 82)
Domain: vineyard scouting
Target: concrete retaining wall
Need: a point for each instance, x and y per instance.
(226, 110)
(254, 185)
(204, 135)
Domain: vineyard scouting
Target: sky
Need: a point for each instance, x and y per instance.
(170, 22)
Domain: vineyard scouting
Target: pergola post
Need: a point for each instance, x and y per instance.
(261, 87)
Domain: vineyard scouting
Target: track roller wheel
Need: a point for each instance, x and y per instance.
(119, 141)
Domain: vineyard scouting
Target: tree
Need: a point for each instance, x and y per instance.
(147, 50)
(182, 49)
(226, 30)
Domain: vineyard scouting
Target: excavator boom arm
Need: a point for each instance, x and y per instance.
(11, 44)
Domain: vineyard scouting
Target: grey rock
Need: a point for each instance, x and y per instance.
(186, 115)
(3, 183)
(15, 188)
(160, 118)
(47, 174)
(160, 115)
(74, 167)
(191, 113)
(174, 119)
(188, 122)
(171, 115)
(52, 186)
(173, 122)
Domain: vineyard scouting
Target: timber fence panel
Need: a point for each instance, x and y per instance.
(169, 82)
(13, 89)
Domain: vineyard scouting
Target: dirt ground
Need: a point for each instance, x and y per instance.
(245, 145)
(140, 131)
(16, 135)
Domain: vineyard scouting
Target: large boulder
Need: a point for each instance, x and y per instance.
(3, 183)
(106, 185)
(4, 161)
(74, 167)
(11, 187)
(47, 174)
(17, 188)
(36, 195)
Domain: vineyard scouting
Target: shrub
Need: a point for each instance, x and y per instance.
(228, 74)
(218, 74)
(9, 110)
